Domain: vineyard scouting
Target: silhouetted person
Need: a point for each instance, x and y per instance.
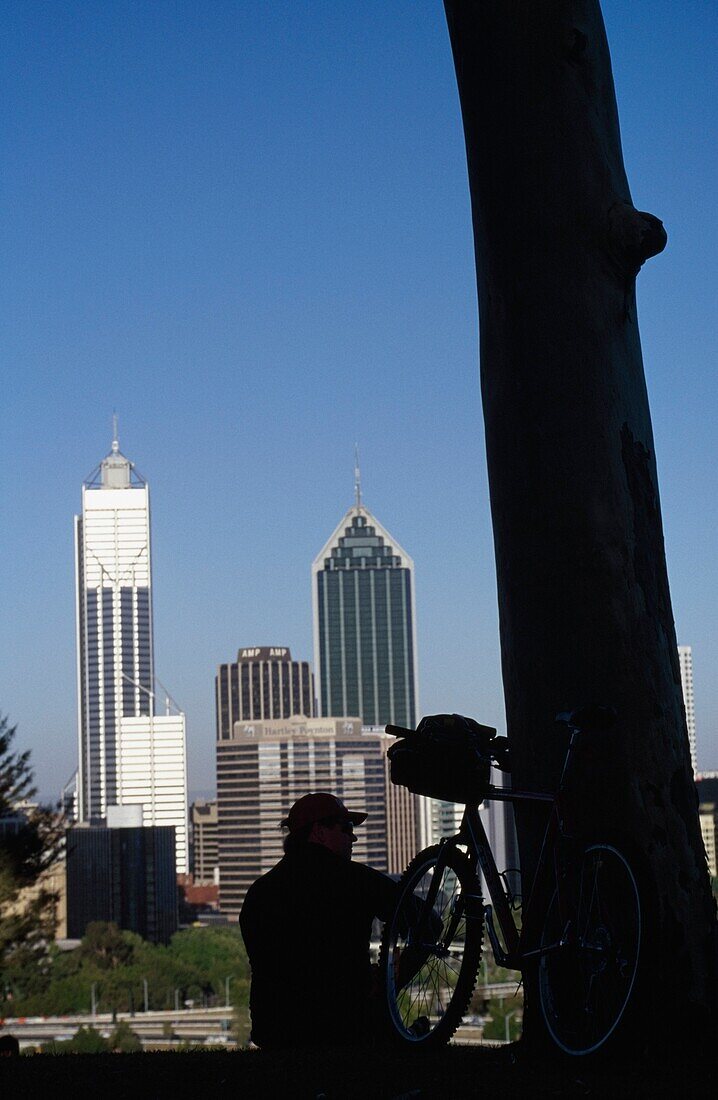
(307, 926)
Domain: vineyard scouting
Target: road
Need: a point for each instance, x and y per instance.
(190, 1024)
(194, 1025)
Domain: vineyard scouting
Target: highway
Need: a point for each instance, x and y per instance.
(194, 1025)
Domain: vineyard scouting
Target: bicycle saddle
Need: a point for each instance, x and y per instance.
(589, 719)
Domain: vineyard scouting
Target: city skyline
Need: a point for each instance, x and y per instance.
(139, 692)
(251, 236)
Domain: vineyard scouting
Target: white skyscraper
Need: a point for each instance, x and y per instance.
(128, 754)
(685, 657)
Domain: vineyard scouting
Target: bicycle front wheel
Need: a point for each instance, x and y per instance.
(590, 948)
(431, 949)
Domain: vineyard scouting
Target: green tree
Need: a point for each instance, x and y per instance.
(197, 963)
(105, 946)
(240, 1025)
(217, 953)
(30, 843)
(86, 1040)
(501, 1013)
(124, 1040)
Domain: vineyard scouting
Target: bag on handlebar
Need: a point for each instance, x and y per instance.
(448, 757)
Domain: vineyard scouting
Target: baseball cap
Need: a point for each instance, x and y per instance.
(320, 806)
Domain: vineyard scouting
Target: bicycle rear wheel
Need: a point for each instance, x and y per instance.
(591, 947)
(429, 959)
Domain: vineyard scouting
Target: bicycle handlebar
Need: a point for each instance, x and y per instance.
(498, 747)
(399, 731)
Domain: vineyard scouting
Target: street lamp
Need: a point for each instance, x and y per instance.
(227, 980)
(506, 1025)
(144, 983)
(94, 999)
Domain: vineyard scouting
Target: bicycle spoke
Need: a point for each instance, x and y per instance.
(585, 985)
(436, 939)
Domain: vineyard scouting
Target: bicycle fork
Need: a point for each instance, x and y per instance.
(505, 956)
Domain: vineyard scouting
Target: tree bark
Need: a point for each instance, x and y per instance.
(584, 603)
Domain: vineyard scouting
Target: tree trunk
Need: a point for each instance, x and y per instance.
(584, 604)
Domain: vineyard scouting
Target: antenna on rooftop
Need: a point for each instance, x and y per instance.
(115, 435)
(357, 477)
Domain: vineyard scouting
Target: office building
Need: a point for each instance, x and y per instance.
(364, 624)
(263, 683)
(153, 773)
(401, 813)
(685, 658)
(709, 831)
(707, 788)
(365, 631)
(128, 753)
(124, 874)
(205, 851)
(265, 766)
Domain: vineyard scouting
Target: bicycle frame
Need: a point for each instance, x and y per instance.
(582, 923)
(472, 832)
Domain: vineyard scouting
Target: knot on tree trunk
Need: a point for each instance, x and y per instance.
(634, 236)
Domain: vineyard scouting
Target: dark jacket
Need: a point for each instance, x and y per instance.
(307, 925)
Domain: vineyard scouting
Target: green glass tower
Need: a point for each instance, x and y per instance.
(364, 623)
(365, 650)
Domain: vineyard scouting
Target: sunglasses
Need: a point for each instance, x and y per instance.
(345, 826)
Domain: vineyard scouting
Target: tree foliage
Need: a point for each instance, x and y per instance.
(195, 965)
(30, 842)
(124, 1040)
(241, 1024)
(105, 947)
(86, 1040)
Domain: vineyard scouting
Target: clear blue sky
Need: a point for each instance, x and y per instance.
(246, 227)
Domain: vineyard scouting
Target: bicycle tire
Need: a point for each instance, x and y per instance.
(427, 1009)
(585, 985)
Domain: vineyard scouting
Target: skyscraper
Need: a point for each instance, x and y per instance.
(685, 658)
(365, 632)
(128, 754)
(264, 682)
(364, 623)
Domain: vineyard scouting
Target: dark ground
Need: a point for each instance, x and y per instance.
(449, 1073)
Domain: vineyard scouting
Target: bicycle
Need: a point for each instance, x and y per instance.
(582, 924)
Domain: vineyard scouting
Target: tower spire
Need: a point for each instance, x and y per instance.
(115, 434)
(357, 477)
